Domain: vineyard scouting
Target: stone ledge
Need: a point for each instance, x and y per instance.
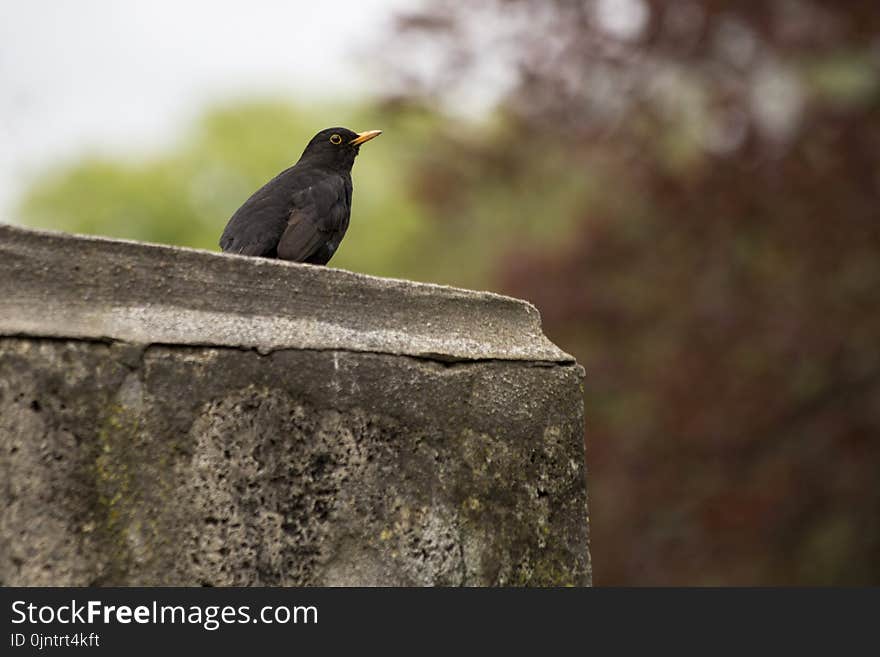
(176, 417)
(68, 286)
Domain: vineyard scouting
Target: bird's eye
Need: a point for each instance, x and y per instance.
(335, 139)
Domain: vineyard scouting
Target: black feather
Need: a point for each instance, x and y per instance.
(303, 212)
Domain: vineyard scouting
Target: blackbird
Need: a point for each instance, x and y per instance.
(303, 212)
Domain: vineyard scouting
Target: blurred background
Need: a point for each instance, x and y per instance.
(688, 190)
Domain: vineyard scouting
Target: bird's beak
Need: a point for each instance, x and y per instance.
(365, 136)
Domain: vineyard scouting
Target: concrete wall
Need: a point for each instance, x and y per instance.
(172, 416)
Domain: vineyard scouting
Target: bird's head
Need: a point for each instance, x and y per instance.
(336, 148)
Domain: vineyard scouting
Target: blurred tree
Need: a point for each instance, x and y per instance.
(706, 179)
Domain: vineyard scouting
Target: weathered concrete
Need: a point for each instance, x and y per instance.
(170, 416)
(57, 285)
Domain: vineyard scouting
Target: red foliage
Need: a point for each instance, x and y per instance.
(724, 304)
(733, 379)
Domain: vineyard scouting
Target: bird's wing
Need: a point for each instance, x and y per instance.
(262, 245)
(252, 238)
(317, 214)
(301, 238)
(256, 227)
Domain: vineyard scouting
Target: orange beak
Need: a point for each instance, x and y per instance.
(365, 136)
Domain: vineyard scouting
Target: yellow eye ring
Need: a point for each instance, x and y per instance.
(335, 139)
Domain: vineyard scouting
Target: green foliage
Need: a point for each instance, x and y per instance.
(185, 196)
(416, 213)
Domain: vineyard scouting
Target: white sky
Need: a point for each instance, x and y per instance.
(111, 75)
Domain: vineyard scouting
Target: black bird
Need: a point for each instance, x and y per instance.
(303, 212)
